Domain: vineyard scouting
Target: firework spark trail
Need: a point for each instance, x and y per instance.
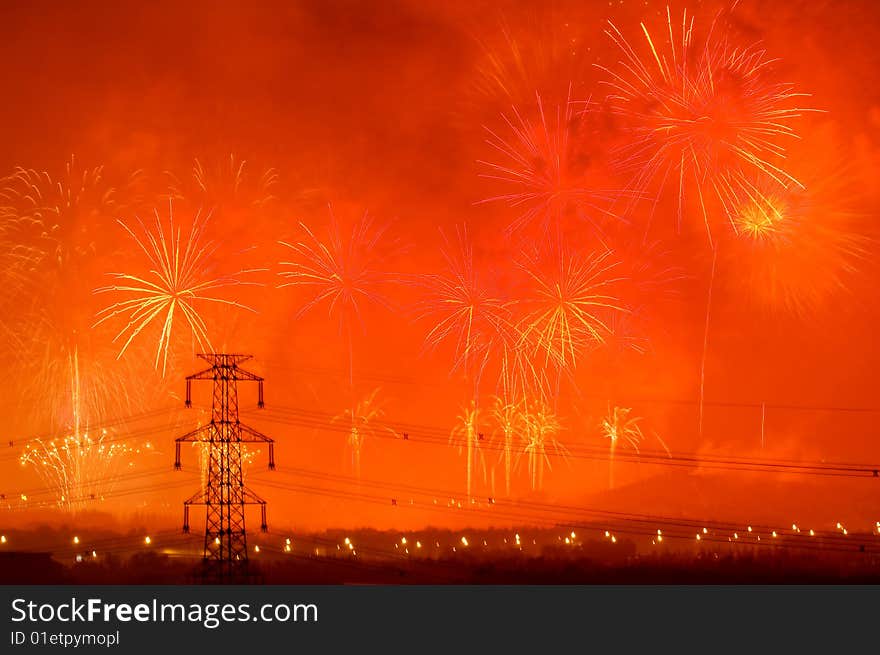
(705, 349)
(705, 112)
(508, 421)
(542, 164)
(467, 436)
(620, 426)
(364, 421)
(344, 272)
(541, 425)
(177, 281)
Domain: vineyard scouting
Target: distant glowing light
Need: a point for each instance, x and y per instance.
(2, 538)
(736, 535)
(607, 534)
(347, 541)
(148, 541)
(94, 554)
(705, 531)
(572, 535)
(750, 528)
(812, 534)
(774, 534)
(613, 540)
(659, 538)
(418, 544)
(287, 549)
(217, 540)
(464, 541)
(403, 540)
(698, 536)
(76, 540)
(287, 541)
(256, 549)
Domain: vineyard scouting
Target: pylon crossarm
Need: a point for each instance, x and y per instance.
(246, 376)
(250, 498)
(254, 435)
(229, 359)
(207, 374)
(193, 435)
(198, 498)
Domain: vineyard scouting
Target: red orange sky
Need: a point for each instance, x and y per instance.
(385, 107)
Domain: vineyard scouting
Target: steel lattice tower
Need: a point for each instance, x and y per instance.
(225, 494)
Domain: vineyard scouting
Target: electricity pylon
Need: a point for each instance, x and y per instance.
(225, 494)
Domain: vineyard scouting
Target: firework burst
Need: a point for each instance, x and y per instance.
(177, 283)
(227, 186)
(794, 247)
(364, 421)
(60, 222)
(79, 467)
(507, 418)
(343, 270)
(546, 169)
(701, 113)
(571, 298)
(466, 311)
(620, 426)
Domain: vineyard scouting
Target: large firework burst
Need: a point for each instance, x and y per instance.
(177, 283)
(795, 247)
(701, 113)
(546, 170)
